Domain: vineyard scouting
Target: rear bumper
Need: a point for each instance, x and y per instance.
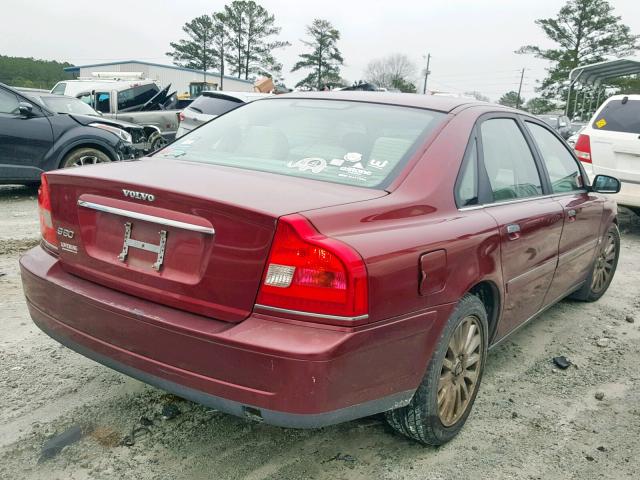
(289, 374)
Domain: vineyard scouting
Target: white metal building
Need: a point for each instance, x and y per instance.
(179, 78)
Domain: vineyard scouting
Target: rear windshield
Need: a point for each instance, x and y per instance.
(619, 116)
(214, 106)
(354, 143)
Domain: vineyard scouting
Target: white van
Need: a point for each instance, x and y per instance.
(610, 145)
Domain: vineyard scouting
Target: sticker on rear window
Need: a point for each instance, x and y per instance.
(601, 123)
(353, 157)
(314, 164)
(377, 164)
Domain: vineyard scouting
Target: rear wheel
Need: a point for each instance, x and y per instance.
(156, 142)
(84, 156)
(603, 268)
(443, 401)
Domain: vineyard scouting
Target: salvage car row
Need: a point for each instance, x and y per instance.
(41, 131)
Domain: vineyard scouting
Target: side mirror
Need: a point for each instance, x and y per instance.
(25, 109)
(605, 184)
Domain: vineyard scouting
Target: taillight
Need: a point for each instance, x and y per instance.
(181, 116)
(311, 273)
(44, 211)
(583, 148)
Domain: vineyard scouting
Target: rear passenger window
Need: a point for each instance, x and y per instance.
(508, 160)
(103, 102)
(563, 169)
(467, 189)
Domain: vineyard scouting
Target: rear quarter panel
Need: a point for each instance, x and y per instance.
(419, 216)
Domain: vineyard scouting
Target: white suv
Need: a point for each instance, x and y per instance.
(610, 145)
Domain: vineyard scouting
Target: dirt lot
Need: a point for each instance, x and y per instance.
(530, 420)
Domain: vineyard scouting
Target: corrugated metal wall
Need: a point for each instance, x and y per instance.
(179, 79)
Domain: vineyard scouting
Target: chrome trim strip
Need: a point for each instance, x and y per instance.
(520, 200)
(309, 314)
(147, 218)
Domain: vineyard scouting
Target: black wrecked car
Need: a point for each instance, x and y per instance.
(41, 132)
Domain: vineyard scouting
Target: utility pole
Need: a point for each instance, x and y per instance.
(520, 89)
(426, 75)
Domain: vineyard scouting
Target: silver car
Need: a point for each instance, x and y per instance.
(211, 104)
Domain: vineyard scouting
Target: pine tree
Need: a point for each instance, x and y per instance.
(586, 31)
(250, 27)
(510, 99)
(197, 51)
(324, 60)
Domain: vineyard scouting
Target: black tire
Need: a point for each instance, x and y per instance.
(420, 420)
(84, 156)
(157, 143)
(592, 290)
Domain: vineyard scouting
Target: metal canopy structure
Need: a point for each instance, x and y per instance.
(594, 75)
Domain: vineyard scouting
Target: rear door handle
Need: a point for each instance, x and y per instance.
(513, 231)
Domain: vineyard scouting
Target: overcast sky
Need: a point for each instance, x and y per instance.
(471, 41)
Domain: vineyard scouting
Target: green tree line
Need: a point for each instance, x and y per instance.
(32, 73)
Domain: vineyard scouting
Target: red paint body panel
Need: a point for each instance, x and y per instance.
(194, 323)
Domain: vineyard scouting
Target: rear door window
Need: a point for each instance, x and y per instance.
(214, 105)
(562, 167)
(619, 116)
(467, 186)
(103, 102)
(508, 160)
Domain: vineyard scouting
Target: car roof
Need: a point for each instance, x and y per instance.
(633, 96)
(431, 102)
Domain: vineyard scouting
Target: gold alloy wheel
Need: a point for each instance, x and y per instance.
(460, 370)
(604, 264)
(86, 160)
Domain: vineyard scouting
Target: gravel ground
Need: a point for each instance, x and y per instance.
(530, 419)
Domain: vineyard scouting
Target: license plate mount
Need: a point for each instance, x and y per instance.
(149, 247)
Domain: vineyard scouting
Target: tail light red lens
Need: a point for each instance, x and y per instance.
(309, 272)
(583, 148)
(181, 116)
(44, 211)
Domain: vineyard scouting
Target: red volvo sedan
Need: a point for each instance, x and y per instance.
(309, 259)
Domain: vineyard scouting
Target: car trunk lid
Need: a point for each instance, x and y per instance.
(184, 234)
